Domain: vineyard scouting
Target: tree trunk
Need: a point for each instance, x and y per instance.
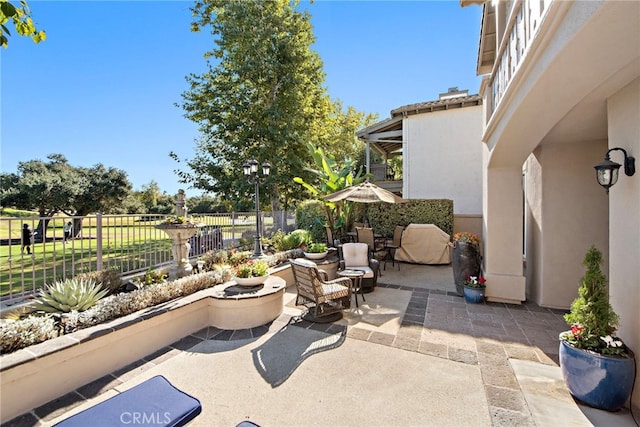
(40, 233)
(77, 227)
(276, 210)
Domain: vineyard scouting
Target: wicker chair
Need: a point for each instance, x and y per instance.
(355, 256)
(325, 299)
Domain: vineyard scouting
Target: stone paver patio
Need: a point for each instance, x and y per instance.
(497, 346)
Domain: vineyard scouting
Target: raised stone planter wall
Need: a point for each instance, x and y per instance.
(37, 374)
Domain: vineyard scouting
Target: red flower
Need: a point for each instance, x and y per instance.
(482, 280)
(576, 330)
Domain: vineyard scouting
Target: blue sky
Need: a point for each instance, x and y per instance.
(102, 87)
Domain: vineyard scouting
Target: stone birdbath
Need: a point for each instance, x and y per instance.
(180, 228)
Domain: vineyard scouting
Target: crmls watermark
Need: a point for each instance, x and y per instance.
(146, 418)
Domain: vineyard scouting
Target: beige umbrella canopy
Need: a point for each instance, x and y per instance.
(365, 193)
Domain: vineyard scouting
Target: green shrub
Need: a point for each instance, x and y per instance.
(316, 248)
(296, 238)
(213, 258)
(151, 277)
(238, 257)
(383, 217)
(275, 240)
(69, 295)
(311, 215)
(108, 279)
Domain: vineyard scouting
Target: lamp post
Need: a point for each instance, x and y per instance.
(250, 170)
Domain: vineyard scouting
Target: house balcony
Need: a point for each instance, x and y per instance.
(385, 177)
(510, 32)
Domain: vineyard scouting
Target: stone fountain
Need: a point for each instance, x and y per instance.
(180, 229)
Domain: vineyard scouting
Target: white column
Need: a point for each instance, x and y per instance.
(503, 235)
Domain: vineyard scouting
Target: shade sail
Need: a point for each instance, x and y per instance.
(365, 193)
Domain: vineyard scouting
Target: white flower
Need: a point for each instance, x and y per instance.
(611, 342)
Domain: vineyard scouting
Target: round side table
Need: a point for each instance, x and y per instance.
(356, 282)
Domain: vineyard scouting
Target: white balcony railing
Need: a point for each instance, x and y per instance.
(522, 26)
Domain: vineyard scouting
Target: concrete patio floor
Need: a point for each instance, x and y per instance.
(413, 354)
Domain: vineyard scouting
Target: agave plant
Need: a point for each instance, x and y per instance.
(69, 295)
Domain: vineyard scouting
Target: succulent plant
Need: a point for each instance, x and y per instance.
(69, 295)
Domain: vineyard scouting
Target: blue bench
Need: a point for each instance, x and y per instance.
(155, 402)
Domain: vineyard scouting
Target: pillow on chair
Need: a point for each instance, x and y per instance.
(355, 254)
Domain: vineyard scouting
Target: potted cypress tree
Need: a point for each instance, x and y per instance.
(598, 368)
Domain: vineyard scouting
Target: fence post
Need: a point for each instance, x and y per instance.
(98, 241)
(233, 228)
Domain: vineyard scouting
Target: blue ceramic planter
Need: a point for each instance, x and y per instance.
(600, 381)
(473, 295)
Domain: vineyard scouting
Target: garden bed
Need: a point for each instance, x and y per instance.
(34, 375)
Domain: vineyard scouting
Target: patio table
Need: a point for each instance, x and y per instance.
(356, 282)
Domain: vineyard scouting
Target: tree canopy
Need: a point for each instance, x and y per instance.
(56, 186)
(20, 17)
(262, 97)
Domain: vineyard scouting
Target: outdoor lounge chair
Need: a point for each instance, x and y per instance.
(355, 256)
(154, 402)
(325, 299)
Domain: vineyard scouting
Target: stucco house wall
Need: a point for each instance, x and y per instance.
(443, 157)
(623, 111)
(566, 214)
(555, 104)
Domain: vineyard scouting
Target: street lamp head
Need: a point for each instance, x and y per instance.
(246, 168)
(266, 168)
(254, 166)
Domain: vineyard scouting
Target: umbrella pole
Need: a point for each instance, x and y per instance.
(366, 215)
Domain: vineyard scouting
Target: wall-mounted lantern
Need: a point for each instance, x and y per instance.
(607, 171)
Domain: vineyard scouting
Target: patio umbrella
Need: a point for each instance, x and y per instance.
(365, 193)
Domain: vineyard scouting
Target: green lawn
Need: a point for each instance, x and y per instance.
(128, 245)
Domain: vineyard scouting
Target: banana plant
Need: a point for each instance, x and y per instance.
(329, 178)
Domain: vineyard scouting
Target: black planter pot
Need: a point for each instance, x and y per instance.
(465, 261)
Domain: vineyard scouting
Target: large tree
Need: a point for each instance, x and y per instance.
(260, 98)
(336, 134)
(100, 189)
(56, 186)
